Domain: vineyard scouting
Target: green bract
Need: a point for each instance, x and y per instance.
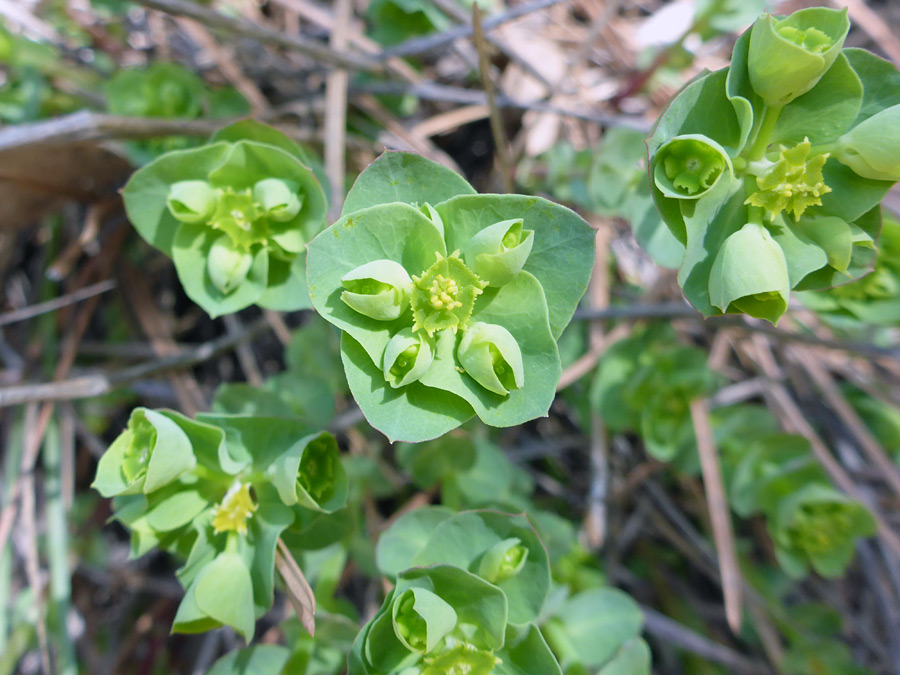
(220, 491)
(770, 172)
(468, 586)
(235, 216)
(450, 302)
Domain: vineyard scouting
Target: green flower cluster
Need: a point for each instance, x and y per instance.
(645, 384)
(235, 216)
(450, 302)
(771, 172)
(775, 474)
(219, 491)
(468, 588)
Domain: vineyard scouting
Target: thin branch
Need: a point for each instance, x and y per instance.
(314, 50)
(667, 630)
(432, 43)
(57, 303)
(501, 142)
(98, 384)
(718, 514)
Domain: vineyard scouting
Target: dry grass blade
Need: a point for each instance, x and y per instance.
(336, 112)
(718, 513)
(302, 598)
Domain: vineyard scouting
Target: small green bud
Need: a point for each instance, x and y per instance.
(789, 56)
(498, 252)
(750, 275)
(503, 560)
(379, 289)
(872, 147)
(407, 357)
(421, 619)
(320, 468)
(191, 201)
(793, 183)
(687, 167)
(152, 452)
(227, 266)
(492, 357)
(278, 200)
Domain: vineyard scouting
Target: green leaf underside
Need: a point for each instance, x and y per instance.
(413, 413)
(406, 178)
(516, 307)
(395, 232)
(561, 257)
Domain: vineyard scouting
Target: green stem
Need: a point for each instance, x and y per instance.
(763, 136)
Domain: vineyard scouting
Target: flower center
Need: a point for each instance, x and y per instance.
(443, 297)
(236, 508)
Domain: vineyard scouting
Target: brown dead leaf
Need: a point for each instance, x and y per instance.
(302, 598)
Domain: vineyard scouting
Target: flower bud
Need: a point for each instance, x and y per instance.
(498, 252)
(407, 357)
(750, 275)
(191, 201)
(421, 619)
(872, 147)
(227, 266)
(379, 289)
(492, 357)
(687, 167)
(503, 560)
(278, 200)
(789, 56)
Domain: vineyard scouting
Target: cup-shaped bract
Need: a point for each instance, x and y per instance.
(191, 201)
(818, 526)
(277, 198)
(688, 166)
(235, 216)
(421, 619)
(379, 289)
(221, 594)
(498, 252)
(789, 56)
(750, 275)
(492, 357)
(151, 453)
(227, 265)
(309, 472)
(503, 560)
(872, 147)
(407, 357)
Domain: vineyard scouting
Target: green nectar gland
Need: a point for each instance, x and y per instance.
(793, 183)
(443, 297)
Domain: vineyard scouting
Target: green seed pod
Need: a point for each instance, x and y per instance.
(498, 252)
(789, 56)
(492, 357)
(278, 200)
(421, 619)
(750, 275)
(407, 357)
(227, 266)
(503, 560)
(688, 166)
(379, 289)
(872, 148)
(191, 201)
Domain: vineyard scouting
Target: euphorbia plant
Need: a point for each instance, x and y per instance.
(771, 171)
(450, 302)
(219, 491)
(235, 216)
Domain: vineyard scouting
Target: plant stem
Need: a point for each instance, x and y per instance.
(769, 120)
